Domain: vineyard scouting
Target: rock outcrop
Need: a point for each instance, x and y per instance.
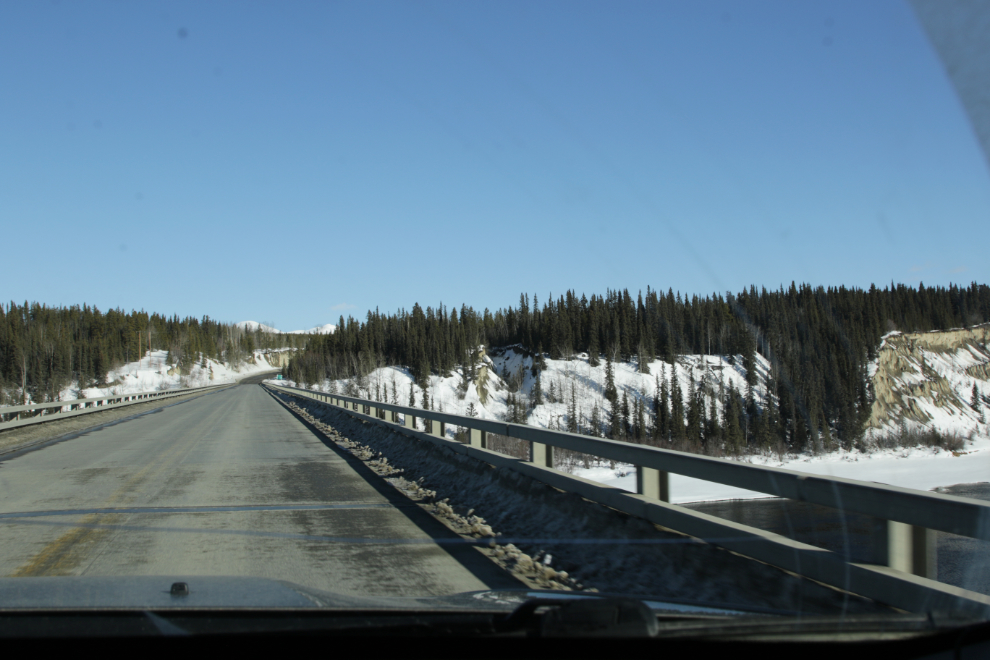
(927, 378)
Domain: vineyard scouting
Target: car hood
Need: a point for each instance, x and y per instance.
(231, 592)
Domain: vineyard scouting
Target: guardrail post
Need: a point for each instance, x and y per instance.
(372, 411)
(410, 421)
(541, 454)
(653, 483)
(437, 428)
(478, 438)
(912, 549)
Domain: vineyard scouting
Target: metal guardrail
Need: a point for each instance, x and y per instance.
(906, 571)
(36, 413)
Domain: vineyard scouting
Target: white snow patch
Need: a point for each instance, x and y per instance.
(151, 373)
(919, 468)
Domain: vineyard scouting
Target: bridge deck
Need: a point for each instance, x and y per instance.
(226, 484)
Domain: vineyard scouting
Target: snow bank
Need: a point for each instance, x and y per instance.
(151, 373)
(923, 469)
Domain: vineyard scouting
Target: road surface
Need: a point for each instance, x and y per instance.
(229, 483)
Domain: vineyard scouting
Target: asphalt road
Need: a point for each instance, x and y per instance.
(230, 483)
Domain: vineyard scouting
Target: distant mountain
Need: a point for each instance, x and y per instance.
(253, 326)
(327, 329)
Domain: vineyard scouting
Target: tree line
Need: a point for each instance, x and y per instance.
(817, 341)
(45, 349)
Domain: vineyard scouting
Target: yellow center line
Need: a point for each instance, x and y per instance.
(64, 553)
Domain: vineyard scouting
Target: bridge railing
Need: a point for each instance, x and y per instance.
(36, 413)
(908, 518)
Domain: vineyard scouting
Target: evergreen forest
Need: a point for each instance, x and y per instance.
(45, 349)
(818, 342)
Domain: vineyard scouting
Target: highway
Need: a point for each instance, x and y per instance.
(229, 483)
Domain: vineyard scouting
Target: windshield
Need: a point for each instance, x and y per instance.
(395, 301)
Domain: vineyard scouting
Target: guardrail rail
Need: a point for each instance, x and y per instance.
(903, 575)
(36, 413)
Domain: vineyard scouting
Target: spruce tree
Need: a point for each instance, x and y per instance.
(610, 392)
(534, 369)
(694, 413)
(663, 420)
(625, 415)
(643, 360)
(677, 430)
(640, 420)
(596, 422)
(614, 421)
(594, 350)
(749, 358)
(572, 420)
(733, 432)
(713, 435)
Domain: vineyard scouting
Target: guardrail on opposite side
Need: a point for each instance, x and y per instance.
(902, 577)
(36, 413)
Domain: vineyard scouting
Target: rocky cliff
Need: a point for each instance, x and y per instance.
(926, 379)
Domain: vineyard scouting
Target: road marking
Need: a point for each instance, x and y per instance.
(65, 553)
(364, 540)
(204, 509)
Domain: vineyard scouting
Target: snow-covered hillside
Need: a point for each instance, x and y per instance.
(508, 372)
(926, 380)
(949, 364)
(153, 373)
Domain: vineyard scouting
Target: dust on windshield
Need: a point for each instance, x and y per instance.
(309, 272)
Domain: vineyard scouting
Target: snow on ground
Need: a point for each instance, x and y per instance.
(951, 415)
(922, 469)
(152, 373)
(561, 380)
(935, 381)
(918, 468)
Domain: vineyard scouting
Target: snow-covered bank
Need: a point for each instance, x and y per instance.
(576, 386)
(508, 372)
(932, 380)
(922, 469)
(153, 373)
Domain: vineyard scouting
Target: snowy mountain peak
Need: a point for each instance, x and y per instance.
(326, 329)
(253, 326)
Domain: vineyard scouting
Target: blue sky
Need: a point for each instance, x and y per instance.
(292, 162)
